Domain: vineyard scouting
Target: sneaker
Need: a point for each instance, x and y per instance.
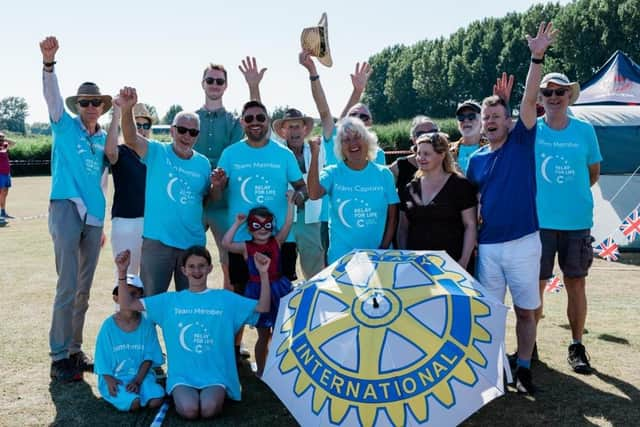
(3, 222)
(524, 384)
(7, 216)
(244, 352)
(82, 361)
(579, 359)
(65, 371)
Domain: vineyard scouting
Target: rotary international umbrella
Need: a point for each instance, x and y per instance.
(387, 338)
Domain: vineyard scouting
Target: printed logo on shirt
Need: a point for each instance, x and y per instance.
(126, 368)
(556, 169)
(179, 190)
(256, 189)
(194, 337)
(356, 213)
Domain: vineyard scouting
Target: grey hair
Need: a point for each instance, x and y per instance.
(417, 121)
(186, 115)
(356, 126)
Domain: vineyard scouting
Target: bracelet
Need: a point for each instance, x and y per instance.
(314, 78)
(537, 60)
(49, 64)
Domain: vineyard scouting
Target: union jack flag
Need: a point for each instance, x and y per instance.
(631, 226)
(608, 249)
(554, 285)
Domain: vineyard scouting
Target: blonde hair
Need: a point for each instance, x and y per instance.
(354, 126)
(440, 143)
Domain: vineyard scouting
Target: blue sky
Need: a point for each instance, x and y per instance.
(161, 47)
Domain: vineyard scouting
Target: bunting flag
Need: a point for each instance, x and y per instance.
(554, 285)
(631, 225)
(608, 249)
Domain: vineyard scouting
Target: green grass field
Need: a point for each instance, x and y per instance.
(608, 398)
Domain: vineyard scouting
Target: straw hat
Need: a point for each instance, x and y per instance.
(562, 80)
(316, 40)
(140, 110)
(91, 90)
(292, 114)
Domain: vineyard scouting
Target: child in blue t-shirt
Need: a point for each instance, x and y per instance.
(261, 224)
(126, 348)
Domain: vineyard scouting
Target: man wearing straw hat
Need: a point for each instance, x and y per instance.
(567, 166)
(294, 127)
(76, 211)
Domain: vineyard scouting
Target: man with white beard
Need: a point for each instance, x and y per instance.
(470, 127)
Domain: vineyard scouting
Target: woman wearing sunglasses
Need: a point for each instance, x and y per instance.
(362, 196)
(439, 203)
(261, 226)
(129, 175)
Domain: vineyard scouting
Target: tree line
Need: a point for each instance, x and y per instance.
(432, 76)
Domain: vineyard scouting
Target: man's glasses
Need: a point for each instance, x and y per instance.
(424, 132)
(84, 103)
(261, 118)
(468, 116)
(182, 130)
(145, 126)
(361, 116)
(218, 81)
(559, 92)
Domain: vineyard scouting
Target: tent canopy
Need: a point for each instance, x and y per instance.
(616, 82)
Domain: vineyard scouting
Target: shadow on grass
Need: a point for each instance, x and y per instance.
(567, 394)
(613, 339)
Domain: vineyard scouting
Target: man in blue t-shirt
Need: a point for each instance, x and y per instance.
(76, 211)
(567, 166)
(177, 185)
(504, 171)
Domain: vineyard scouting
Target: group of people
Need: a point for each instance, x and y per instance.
(496, 201)
(5, 177)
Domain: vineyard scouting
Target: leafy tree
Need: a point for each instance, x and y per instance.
(13, 112)
(173, 110)
(41, 128)
(154, 114)
(278, 112)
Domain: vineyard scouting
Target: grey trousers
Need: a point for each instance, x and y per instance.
(158, 264)
(76, 246)
(309, 242)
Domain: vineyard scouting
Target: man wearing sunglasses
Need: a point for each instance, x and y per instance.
(129, 177)
(470, 127)
(219, 129)
(76, 211)
(177, 185)
(567, 166)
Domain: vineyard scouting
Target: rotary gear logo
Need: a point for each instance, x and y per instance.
(381, 344)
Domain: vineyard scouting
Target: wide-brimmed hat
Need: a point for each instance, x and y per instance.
(140, 110)
(132, 280)
(562, 80)
(470, 104)
(316, 40)
(88, 89)
(292, 114)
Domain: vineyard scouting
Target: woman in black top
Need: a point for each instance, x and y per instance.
(439, 203)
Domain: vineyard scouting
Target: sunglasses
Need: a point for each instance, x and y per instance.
(468, 116)
(559, 92)
(182, 130)
(145, 126)
(261, 118)
(218, 81)
(361, 116)
(84, 103)
(424, 132)
(256, 223)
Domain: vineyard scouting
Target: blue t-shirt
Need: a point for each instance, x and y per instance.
(358, 204)
(464, 154)
(506, 179)
(77, 164)
(258, 177)
(129, 177)
(199, 330)
(562, 174)
(174, 195)
(120, 353)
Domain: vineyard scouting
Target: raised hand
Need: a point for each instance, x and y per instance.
(361, 76)
(123, 259)
(240, 218)
(305, 59)
(49, 46)
(503, 87)
(314, 145)
(249, 69)
(218, 178)
(546, 35)
(262, 262)
(127, 98)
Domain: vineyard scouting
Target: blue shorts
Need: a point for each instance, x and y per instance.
(5, 180)
(279, 288)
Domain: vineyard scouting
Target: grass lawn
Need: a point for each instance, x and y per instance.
(610, 397)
